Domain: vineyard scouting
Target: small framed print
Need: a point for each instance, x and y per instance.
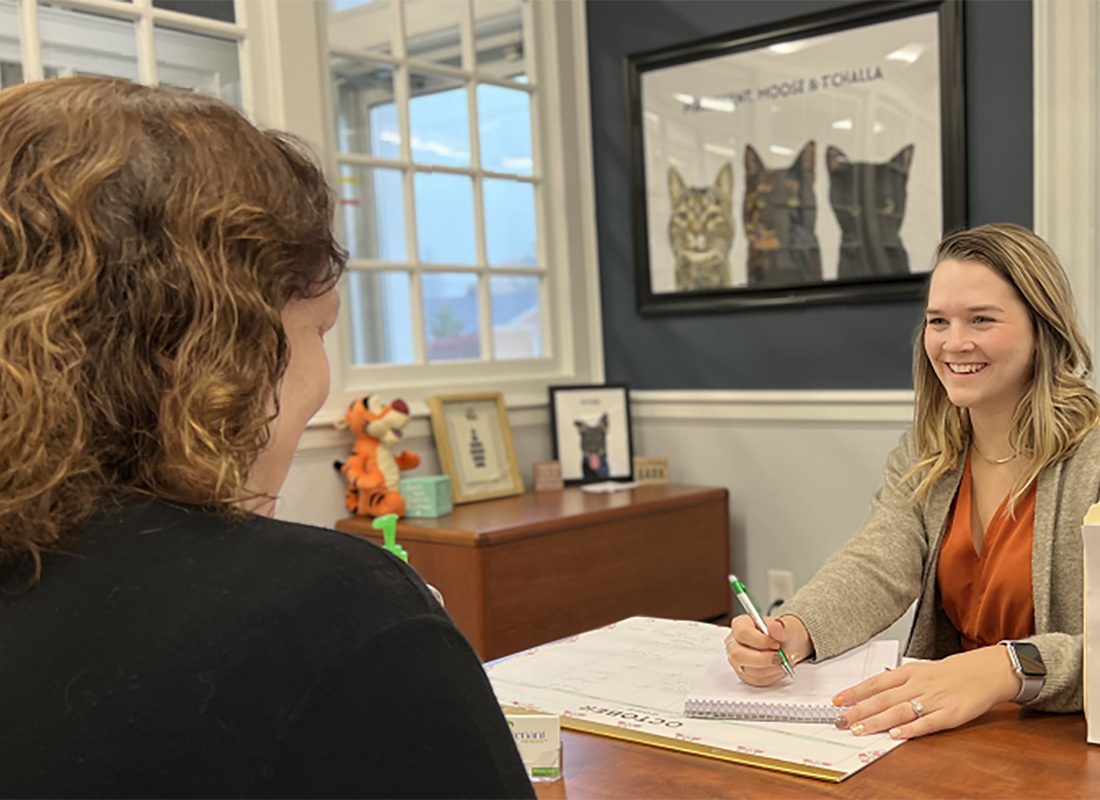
(475, 446)
(651, 469)
(591, 429)
(547, 476)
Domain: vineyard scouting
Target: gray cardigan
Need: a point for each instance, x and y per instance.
(866, 586)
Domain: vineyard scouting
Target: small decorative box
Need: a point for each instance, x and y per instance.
(538, 738)
(427, 495)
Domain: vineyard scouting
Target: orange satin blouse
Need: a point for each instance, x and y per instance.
(988, 596)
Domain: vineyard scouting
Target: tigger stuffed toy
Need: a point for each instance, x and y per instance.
(373, 470)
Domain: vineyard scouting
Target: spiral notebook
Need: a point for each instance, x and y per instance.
(721, 694)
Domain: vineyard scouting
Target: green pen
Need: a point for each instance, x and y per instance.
(750, 609)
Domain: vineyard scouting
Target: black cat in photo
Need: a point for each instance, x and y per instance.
(779, 213)
(869, 203)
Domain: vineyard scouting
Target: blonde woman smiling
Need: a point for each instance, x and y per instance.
(979, 516)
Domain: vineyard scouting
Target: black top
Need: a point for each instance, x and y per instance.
(176, 652)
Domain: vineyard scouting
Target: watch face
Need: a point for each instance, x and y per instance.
(1031, 663)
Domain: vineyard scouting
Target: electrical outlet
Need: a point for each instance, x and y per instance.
(780, 585)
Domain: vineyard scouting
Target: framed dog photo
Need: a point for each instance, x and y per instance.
(475, 447)
(591, 428)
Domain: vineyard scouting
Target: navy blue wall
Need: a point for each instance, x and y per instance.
(845, 346)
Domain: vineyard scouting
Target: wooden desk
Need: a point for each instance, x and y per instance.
(526, 570)
(1006, 753)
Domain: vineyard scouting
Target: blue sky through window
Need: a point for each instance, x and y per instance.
(445, 220)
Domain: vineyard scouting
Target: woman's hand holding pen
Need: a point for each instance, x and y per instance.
(946, 693)
(754, 656)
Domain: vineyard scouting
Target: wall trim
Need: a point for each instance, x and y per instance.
(587, 199)
(321, 434)
(775, 406)
(687, 405)
(1066, 61)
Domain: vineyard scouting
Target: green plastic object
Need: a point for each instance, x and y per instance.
(387, 523)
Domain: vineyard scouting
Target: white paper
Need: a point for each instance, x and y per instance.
(476, 449)
(606, 487)
(814, 683)
(635, 675)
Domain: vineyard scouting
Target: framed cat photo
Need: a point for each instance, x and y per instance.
(474, 442)
(591, 430)
(821, 160)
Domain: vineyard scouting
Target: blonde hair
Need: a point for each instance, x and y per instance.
(149, 240)
(1058, 408)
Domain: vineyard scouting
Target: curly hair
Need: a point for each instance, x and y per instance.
(1059, 408)
(149, 240)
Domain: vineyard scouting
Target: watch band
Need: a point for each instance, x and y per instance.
(1030, 685)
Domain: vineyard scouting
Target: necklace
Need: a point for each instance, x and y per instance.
(995, 461)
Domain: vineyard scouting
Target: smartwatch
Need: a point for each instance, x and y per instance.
(1029, 667)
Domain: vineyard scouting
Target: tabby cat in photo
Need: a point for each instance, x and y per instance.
(700, 230)
(869, 203)
(779, 214)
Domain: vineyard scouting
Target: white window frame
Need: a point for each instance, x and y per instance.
(561, 132)
(285, 83)
(409, 169)
(145, 18)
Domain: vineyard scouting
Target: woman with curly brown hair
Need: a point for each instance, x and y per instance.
(167, 273)
(979, 516)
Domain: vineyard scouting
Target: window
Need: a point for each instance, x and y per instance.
(191, 45)
(434, 108)
(456, 134)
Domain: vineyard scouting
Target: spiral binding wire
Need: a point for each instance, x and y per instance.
(759, 711)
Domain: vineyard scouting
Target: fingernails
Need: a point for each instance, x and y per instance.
(836, 699)
(895, 733)
(841, 722)
(777, 660)
(857, 729)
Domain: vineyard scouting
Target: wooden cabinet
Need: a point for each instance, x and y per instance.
(525, 570)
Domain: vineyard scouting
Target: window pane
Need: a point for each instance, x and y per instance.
(11, 60)
(517, 316)
(504, 125)
(509, 223)
(378, 309)
(221, 10)
(445, 218)
(366, 116)
(433, 31)
(499, 39)
(80, 43)
(439, 119)
(374, 212)
(362, 24)
(451, 316)
(11, 73)
(204, 64)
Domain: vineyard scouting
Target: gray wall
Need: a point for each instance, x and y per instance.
(844, 346)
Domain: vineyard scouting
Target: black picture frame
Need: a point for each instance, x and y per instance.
(576, 414)
(841, 29)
